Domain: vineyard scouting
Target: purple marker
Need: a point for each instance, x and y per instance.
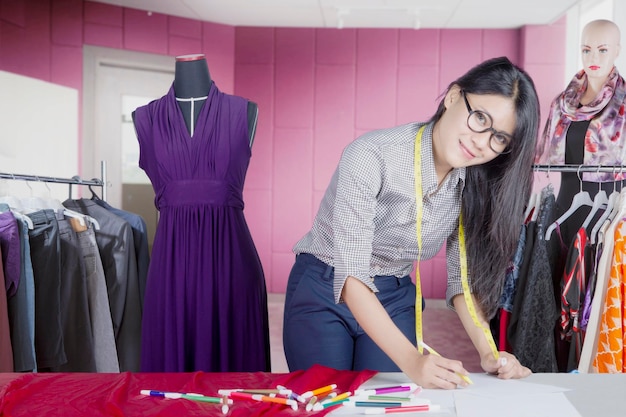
(387, 390)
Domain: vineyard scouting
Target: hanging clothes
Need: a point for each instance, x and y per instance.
(21, 306)
(57, 301)
(501, 322)
(99, 312)
(6, 350)
(595, 255)
(206, 302)
(590, 343)
(117, 250)
(46, 261)
(10, 251)
(573, 286)
(78, 340)
(610, 357)
(535, 312)
(140, 239)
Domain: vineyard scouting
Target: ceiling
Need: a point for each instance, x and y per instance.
(362, 13)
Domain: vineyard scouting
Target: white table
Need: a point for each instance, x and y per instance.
(591, 395)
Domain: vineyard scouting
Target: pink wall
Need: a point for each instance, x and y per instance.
(317, 89)
(320, 88)
(44, 38)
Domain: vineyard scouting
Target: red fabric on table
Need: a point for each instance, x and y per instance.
(83, 394)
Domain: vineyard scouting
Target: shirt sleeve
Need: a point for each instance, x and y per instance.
(453, 262)
(359, 180)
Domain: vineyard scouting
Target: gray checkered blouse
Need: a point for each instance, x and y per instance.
(365, 225)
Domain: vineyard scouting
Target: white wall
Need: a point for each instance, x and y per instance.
(38, 134)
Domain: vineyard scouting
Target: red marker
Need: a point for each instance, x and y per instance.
(264, 398)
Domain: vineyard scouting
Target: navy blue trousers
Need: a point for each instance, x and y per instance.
(318, 331)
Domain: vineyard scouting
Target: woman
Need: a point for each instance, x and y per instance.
(350, 303)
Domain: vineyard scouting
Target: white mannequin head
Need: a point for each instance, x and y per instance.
(600, 46)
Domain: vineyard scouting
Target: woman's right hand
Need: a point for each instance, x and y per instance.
(432, 371)
(429, 370)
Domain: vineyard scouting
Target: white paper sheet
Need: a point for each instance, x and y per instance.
(487, 397)
(493, 397)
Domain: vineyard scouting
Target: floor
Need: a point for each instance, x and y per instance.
(442, 331)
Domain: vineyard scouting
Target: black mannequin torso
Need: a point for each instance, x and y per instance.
(192, 81)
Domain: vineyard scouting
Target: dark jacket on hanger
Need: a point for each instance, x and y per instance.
(535, 311)
(116, 245)
(140, 237)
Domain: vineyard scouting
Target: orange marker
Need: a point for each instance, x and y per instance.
(317, 391)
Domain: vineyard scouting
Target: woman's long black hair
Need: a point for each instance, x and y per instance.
(496, 193)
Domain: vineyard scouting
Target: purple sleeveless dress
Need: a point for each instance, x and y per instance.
(205, 303)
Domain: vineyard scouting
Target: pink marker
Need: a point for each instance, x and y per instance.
(387, 390)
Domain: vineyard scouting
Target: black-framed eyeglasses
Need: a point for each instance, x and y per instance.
(480, 122)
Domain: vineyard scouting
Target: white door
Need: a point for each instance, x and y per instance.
(116, 83)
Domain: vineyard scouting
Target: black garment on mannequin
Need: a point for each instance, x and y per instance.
(571, 183)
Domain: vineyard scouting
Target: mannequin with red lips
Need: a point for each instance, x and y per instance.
(600, 47)
(584, 127)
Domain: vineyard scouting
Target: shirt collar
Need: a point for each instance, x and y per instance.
(454, 178)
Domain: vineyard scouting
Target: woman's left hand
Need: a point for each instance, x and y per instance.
(506, 367)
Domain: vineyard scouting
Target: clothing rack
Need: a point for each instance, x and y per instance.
(75, 180)
(581, 168)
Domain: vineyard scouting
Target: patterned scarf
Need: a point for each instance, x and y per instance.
(604, 140)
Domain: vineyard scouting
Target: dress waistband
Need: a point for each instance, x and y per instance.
(189, 192)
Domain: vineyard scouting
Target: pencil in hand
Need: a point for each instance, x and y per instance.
(434, 352)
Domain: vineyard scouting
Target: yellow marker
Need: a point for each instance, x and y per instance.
(338, 397)
(332, 402)
(318, 391)
(434, 352)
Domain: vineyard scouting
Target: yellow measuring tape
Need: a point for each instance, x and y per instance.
(467, 293)
(462, 255)
(418, 227)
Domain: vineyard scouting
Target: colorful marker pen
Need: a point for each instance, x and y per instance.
(387, 390)
(318, 391)
(287, 392)
(311, 403)
(264, 398)
(186, 395)
(410, 409)
(332, 402)
(190, 396)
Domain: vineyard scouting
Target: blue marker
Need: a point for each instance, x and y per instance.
(287, 392)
